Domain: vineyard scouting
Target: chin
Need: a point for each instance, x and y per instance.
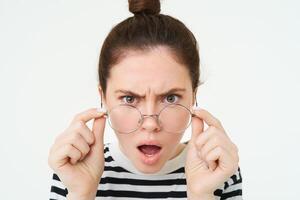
(148, 169)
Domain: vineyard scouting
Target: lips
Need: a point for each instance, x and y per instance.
(150, 152)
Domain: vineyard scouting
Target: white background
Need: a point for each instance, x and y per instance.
(249, 52)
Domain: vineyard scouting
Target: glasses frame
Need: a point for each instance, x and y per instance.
(144, 116)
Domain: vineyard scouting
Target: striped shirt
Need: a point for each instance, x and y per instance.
(121, 180)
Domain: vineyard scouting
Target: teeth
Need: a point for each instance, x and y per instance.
(149, 155)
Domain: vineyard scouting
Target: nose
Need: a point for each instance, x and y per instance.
(150, 123)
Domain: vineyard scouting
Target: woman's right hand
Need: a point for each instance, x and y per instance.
(77, 155)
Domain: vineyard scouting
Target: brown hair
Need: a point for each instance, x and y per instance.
(145, 30)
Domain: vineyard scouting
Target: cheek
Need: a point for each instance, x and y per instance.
(124, 140)
(127, 144)
(171, 141)
(172, 146)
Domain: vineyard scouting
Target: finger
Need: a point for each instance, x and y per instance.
(98, 130)
(79, 143)
(217, 140)
(208, 146)
(205, 143)
(226, 163)
(197, 128)
(203, 138)
(208, 118)
(221, 156)
(88, 115)
(77, 127)
(64, 154)
(96, 155)
(202, 161)
(84, 131)
(71, 135)
(74, 154)
(212, 165)
(210, 139)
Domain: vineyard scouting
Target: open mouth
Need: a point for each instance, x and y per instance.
(149, 150)
(149, 153)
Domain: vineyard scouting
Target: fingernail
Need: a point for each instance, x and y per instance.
(101, 110)
(196, 108)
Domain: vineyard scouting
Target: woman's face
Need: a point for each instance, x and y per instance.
(149, 74)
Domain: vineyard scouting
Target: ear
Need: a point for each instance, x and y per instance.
(195, 96)
(102, 97)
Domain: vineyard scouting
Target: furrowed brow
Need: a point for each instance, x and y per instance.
(142, 96)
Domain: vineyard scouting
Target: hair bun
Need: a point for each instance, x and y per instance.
(144, 6)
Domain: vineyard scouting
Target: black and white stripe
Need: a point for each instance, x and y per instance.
(119, 183)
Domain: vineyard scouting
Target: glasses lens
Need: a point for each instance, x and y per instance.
(175, 118)
(124, 118)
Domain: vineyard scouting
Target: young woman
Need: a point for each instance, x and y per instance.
(148, 79)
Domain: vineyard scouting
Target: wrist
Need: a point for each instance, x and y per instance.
(74, 196)
(202, 197)
(86, 194)
(191, 196)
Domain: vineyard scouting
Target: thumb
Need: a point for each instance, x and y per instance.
(197, 127)
(193, 159)
(95, 158)
(98, 130)
(96, 154)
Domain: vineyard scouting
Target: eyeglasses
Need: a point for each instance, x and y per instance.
(173, 118)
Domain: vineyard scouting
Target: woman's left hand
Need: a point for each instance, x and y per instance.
(211, 158)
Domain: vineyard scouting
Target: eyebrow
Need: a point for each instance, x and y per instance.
(141, 96)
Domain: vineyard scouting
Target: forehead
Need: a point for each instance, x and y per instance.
(156, 68)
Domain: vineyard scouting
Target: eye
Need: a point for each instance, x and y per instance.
(127, 99)
(172, 98)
